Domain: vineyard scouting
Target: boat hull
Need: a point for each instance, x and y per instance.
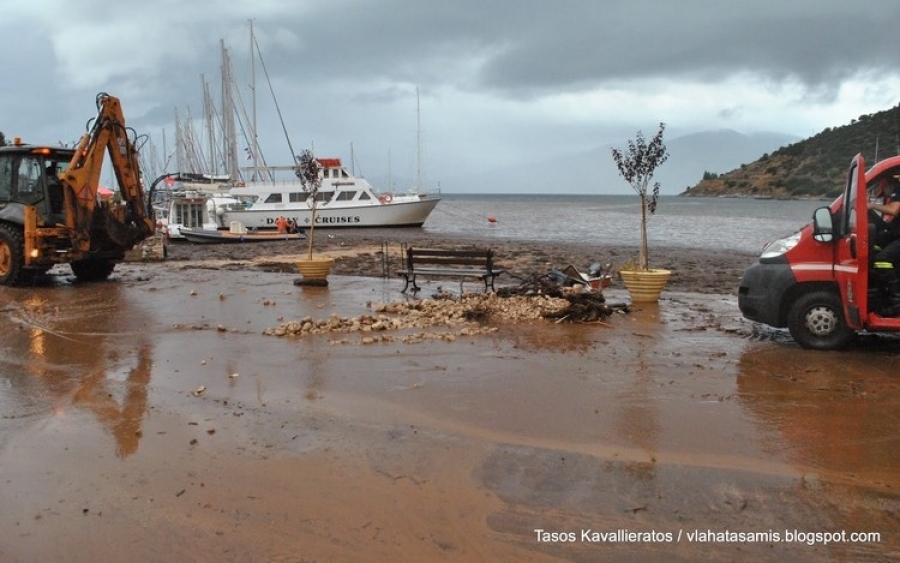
(396, 214)
(205, 236)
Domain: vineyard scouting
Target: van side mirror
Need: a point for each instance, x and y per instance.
(823, 225)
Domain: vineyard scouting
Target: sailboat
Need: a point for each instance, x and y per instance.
(343, 200)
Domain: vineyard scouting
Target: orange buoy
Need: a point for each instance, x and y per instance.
(491, 219)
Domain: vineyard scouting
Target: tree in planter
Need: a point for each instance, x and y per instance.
(308, 171)
(637, 166)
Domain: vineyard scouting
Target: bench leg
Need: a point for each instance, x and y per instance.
(416, 288)
(405, 285)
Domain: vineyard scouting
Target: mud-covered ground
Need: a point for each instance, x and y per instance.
(154, 417)
(372, 252)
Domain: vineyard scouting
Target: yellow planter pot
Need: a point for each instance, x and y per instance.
(315, 268)
(645, 285)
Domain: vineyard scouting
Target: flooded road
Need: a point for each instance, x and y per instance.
(149, 418)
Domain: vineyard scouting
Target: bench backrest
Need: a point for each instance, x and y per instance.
(432, 256)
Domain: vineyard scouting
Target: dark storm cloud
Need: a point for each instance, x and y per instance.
(568, 74)
(532, 47)
(516, 49)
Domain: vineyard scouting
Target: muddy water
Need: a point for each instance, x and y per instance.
(148, 418)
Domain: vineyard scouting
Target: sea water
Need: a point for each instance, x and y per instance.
(717, 223)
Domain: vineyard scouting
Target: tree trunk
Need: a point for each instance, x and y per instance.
(643, 257)
(312, 227)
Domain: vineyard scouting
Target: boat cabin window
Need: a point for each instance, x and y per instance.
(273, 198)
(297, 197)
(346, 196)
(335, 173)
(324, 196)
(188, 214)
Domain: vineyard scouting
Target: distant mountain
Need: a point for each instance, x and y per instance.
(594, 172)
(812, 168)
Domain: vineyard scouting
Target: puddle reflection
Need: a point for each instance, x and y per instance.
(76, 347)
(638, 420)
(834, 412)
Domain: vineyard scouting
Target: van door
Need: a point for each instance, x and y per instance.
(851, 261)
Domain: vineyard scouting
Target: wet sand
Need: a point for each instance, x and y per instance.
(148, 418)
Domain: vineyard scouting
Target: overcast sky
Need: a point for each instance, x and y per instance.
(501, 82)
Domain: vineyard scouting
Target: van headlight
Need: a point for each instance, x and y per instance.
(780, 246)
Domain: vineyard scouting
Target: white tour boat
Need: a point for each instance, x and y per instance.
(343, 201)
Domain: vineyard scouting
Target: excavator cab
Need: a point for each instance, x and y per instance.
(30, 186)
(51, 211)
(30, 176)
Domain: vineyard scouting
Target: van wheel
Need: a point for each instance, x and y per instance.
(816, 321)
(12, 255)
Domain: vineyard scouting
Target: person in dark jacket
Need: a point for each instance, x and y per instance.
(885, 257)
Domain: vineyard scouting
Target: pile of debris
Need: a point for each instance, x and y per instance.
(538, 298)
(584, 305)
(425, 313)
(152, 249)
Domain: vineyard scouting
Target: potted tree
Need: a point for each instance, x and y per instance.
(314, 270)
(636, 166)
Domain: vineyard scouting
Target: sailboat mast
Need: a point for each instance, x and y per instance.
(179, 144)
(209, 118)
(418, 142)
(232, 168)
(256, 174)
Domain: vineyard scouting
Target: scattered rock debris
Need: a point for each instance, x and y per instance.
(465, 315)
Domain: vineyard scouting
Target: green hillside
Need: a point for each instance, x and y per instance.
(813, 168)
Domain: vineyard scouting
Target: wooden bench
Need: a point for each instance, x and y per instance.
(471, 263)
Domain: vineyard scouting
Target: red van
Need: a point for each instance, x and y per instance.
(816, 281)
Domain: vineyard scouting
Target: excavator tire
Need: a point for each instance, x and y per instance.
(92, 269)
(12, 255)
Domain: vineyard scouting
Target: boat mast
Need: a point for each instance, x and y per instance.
(179, 149)
(256, 174)
(209, 116)
(232, 168)
(418, 143)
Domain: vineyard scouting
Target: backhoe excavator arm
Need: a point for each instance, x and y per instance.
(82, 179)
